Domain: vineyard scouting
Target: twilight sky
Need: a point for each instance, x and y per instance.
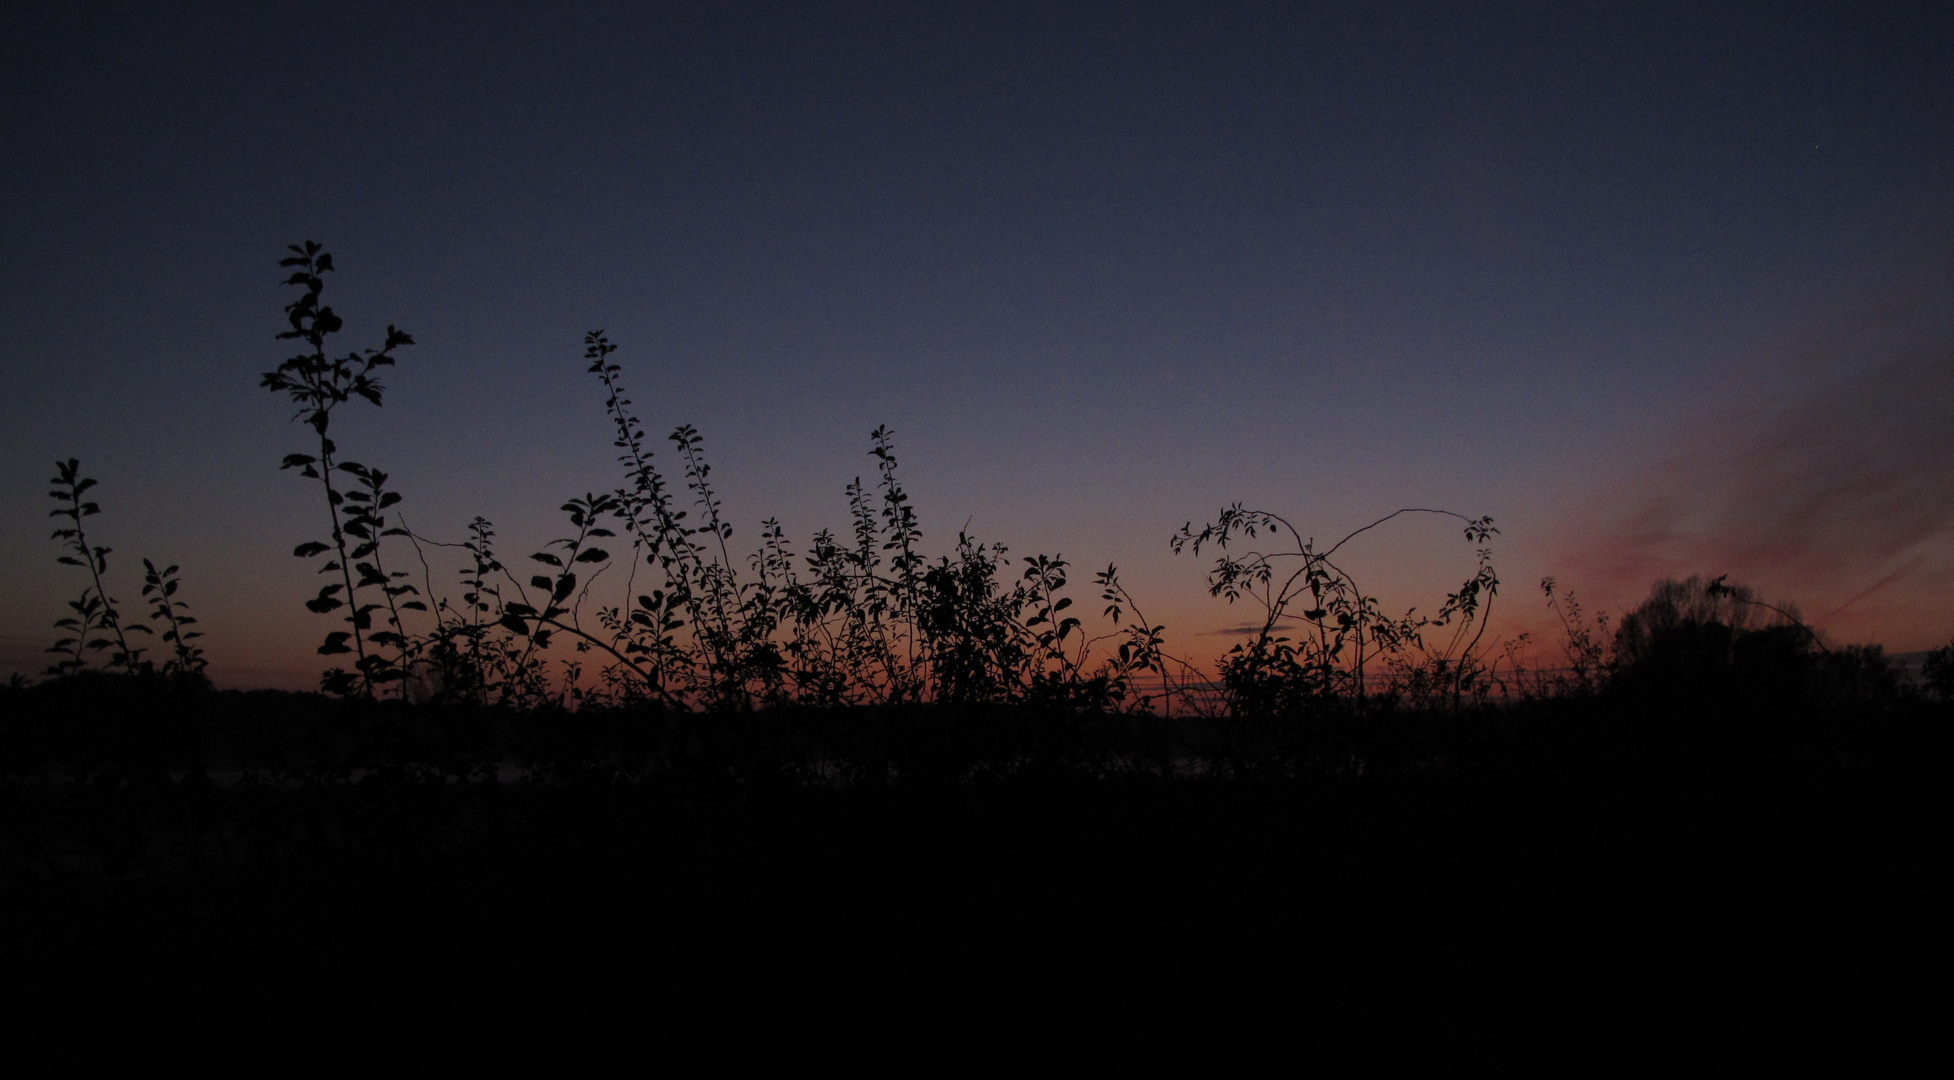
(1661, 288)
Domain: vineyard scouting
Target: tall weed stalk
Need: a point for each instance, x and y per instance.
(318, 385)
(97, 625)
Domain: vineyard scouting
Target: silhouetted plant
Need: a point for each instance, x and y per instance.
(1584, 649)
(318, 385)
(661, 538)
(467, 658)
(1142, 644)
(867, 622)
(860, 629)
(1344, 628)
(174, 616)
(96, 624)
(1586, 663)
(559, 597)
(1455, 668)
(967, 627)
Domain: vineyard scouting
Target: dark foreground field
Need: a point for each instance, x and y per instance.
(1604, 877)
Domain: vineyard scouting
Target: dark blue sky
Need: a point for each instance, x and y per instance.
(1103, 268)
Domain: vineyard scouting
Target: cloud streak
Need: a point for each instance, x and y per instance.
(1246, 629)
(1834, 502)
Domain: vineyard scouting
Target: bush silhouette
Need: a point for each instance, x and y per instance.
(1698, 640)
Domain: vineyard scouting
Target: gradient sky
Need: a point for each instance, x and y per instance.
(1662, 288)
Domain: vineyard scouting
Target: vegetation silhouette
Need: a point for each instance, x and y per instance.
(815, 784)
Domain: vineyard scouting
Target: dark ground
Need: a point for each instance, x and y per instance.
(1607, 883)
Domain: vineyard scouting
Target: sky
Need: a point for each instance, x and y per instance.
(1662, 288)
